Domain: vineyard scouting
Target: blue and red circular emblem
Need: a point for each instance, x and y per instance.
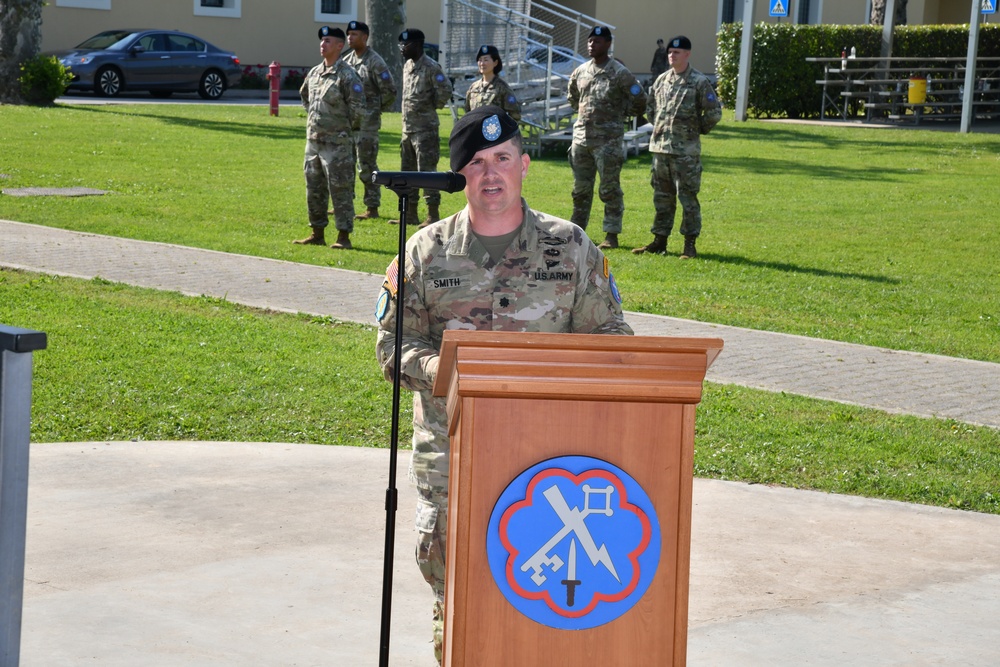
(573, 542)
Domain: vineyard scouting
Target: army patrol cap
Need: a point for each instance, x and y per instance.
(480, 128)
(411, 35)
(327, 31)
(600, 31)
(680, 42)
(360, 26)
(490, 50)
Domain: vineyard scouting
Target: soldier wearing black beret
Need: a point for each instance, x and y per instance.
(496, 265)
(491, 89)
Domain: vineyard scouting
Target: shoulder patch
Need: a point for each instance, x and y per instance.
(710, 97)
(357, 88)
(511, 99)
(385, 75)
(607, 271)
(614, 289)
(382, 305)
(392, 276)
(635, 89)
(439, 77)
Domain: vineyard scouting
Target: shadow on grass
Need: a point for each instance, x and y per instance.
(738, 260)
(232, 127)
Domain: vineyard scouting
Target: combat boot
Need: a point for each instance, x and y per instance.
(689, 250)
(411, 214)
(657, 246)
(433, 215)
(316, 238)
(370, 214)
(610, 241)
(343, 241)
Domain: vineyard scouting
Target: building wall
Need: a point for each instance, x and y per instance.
(286, 31)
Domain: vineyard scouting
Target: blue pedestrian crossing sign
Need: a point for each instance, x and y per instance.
(989, 7)
(780, 7)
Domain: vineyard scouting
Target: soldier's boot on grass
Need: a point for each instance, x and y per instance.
(656, 246)
(433, 215)
(689, 250)
(316, 238)
(411, 215)
(610, 241)
(370, 214)
(343, 241)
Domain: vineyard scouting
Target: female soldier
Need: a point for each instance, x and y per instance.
(491, 89)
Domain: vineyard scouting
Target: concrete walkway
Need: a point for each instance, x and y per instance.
(902, 382)
(270, 554)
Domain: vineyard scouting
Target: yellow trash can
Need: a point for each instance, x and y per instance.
(917, 92)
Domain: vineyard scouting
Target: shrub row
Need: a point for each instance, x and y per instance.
(783, 84)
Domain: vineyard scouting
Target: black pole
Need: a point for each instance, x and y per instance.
(391, 495)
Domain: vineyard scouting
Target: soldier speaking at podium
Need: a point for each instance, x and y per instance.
(496, 265)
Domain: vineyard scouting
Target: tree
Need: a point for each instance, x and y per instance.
(386, 19)
(878, 12)
(20, 37)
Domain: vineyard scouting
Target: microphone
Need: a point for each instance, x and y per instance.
(447, 181)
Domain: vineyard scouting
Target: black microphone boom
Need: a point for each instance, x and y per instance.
(448, 181)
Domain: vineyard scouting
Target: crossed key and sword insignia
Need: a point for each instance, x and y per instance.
(574, 521)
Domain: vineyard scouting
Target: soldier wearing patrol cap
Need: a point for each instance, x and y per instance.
(604, 94)
(496, 265)
(380, 94)
(425, 90)
(334, 98)
(682, 106)
(491, 89)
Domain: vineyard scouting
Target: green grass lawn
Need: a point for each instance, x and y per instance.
(880, 237)
(127, 363)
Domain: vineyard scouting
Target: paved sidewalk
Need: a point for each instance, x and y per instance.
(900, 382)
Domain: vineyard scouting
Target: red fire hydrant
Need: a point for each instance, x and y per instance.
(274, 76)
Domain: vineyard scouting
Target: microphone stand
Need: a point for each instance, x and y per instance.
(391, 495)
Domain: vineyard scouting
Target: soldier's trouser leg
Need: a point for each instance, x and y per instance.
(664, 194)
(317, 187)
(610, 157)
(366, 145)
(581, 159)
(338, 165)
(432, 531)
(688, 173)
(428, 150)
(408, 162)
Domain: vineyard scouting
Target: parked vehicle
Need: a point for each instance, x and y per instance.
(564, 60)
(160, 61)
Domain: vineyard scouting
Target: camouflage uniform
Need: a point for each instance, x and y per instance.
(335, 102)
(552, 279)
(497, 93)
(681, 107)
(603, 97)
(380, 93)
(425, 89)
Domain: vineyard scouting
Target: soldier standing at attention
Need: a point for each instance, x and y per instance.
(425, 90)
(659, 64)
(682, 106)
(333, 96)
(496, 265)
(491, 89)
(380, 93)
(604, 93)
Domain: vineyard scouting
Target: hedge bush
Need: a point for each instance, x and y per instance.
(43, 79)
(783, 84)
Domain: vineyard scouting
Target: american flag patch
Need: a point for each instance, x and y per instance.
(392, 277)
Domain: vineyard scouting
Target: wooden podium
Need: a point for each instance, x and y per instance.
(516, 400)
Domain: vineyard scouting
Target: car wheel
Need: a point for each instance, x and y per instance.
(161, 94)
(212, 85)
(108, 82)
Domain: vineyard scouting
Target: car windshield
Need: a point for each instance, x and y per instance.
(110, 39)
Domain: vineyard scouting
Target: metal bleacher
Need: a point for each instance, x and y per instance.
(540, 43)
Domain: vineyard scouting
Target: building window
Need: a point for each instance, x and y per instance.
(85, 4)
(809, 11)
(336, 11)
(224, 8)
(730, 11)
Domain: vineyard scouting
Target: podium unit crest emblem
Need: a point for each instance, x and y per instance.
(573, 542)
